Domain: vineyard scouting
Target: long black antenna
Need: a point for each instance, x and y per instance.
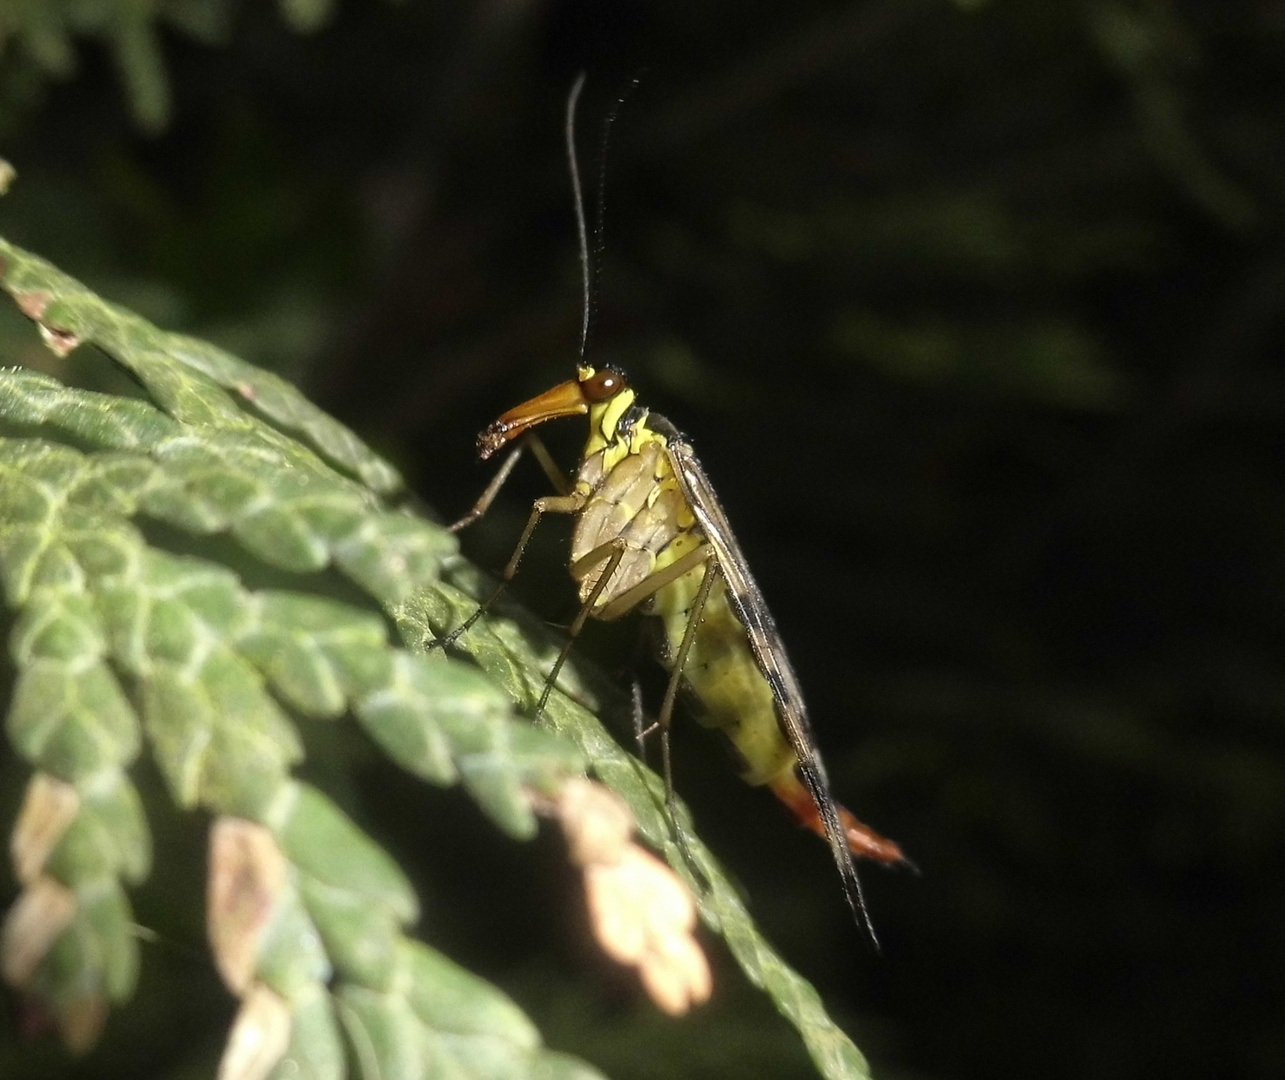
(582, 232)
(591, 259)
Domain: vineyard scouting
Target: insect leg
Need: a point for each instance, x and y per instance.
(549, 504)
(640, 736)
(625, 602)
(530, 441)
(630, 599)
(639, 717)
(676, 679)
(653, 583)
(612, 551)
(646, 644)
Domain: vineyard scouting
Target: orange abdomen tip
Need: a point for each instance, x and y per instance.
(862, 840)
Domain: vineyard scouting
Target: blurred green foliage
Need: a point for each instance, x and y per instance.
(974, 313)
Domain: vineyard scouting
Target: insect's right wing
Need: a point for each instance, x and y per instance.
(769, 652)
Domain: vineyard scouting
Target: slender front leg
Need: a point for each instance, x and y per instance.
(530, 441)
(549, 504)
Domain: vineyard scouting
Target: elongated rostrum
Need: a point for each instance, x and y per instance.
(650, 534)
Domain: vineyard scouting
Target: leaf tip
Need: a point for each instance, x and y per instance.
(43, 910)
(641, 912)
(259, 1037)
(247, 876)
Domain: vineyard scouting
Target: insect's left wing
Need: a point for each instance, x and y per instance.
(769, 653)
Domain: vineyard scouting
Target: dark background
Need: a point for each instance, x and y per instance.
(974, 313)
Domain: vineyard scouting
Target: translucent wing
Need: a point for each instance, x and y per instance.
(769, 652)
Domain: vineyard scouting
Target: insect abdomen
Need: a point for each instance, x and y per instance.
(722, 673)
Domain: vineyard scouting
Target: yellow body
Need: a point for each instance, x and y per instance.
(631, 492)
(647, 515)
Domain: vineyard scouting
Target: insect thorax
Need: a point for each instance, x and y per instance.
(634, 497)
(632, 494)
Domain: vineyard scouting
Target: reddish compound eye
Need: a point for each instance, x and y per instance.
(602, 385)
